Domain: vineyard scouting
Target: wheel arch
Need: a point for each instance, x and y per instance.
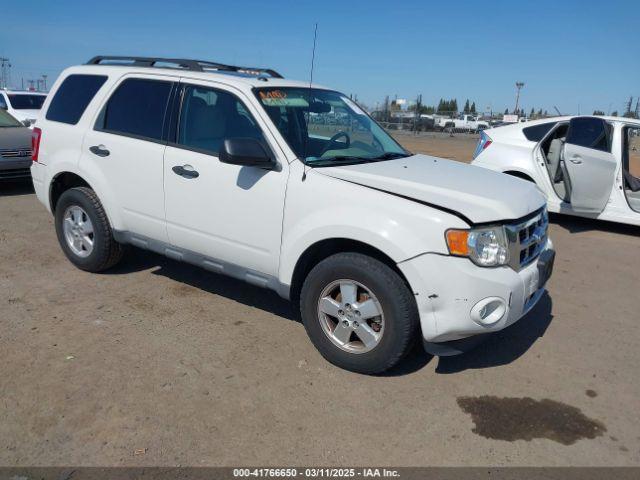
(61, 182)
(323, 249)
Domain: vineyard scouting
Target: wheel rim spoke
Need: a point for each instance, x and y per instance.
(87, 243)
(366, 334)
(342, 333)
(329, 306)
(368, 309)
(348, 291)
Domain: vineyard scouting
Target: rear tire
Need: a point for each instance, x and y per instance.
(375, 343)
(84, 231)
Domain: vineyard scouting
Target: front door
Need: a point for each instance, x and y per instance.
(229, 213)
(589, 163)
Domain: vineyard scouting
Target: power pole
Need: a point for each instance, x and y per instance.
(519, 86)
(416, 116)
(5, 72)
(44, 79)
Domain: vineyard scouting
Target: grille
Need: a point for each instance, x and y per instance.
(24, 152)
(15, 173)
(527, 238)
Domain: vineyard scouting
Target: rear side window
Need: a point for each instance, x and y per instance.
(537, 132)
(590, 132)
(73, 96)
(137, 108)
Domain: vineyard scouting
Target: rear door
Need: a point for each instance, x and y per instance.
(125, 149)
(589, 163)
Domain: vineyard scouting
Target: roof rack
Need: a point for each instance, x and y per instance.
(181, 63)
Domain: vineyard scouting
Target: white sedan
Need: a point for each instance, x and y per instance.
(587, 166)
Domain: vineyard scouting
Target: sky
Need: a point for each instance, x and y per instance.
(576, 55)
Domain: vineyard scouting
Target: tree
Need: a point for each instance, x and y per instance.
(540, 113)
(598, 112)
(614, 113)
(506, 111)
(473, 107)
(466, 106)
(533, 112)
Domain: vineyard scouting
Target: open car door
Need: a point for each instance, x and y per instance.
(589, 163)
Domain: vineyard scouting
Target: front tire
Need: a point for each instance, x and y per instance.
(359, 313)
(84, 231)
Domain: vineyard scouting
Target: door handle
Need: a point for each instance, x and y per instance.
(99, 150)
(185, 171)
(576, 160)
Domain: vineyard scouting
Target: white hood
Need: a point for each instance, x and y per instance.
(479, 194)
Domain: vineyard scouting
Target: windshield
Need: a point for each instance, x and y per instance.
(6, 120)
(325, 128)
(26, 102)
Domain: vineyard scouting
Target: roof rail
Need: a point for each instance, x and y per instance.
(181, 63)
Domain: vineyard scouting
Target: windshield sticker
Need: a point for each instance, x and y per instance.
(278, 98)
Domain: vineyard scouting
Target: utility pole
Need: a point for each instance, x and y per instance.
(416, 116)
(44, 79)
(519, 86)
(5, 72)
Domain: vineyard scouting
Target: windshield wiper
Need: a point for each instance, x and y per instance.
(390, 156)
(327, 162)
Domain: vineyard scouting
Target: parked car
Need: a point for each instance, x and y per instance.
(213, 165)
(23, 105)
(463, 123)
(587, 165)
(15, 148)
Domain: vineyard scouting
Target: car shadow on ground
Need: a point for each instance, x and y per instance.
(500, 349)
(137, 260)
(581, 224)
(505, 346)
(16, 187)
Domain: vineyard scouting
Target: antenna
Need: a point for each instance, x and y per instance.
(306, 138)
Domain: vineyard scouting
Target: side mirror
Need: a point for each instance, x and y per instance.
(248, 152)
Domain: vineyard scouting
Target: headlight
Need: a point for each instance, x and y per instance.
(486, 247)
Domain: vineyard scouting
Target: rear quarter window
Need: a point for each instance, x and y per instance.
(73, 96)
(537, 132)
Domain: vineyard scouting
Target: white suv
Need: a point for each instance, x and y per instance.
(294, 188)
(23, 105)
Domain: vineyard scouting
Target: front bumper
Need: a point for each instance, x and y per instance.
(448, 288)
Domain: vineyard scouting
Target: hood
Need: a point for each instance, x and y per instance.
(477, 194)
(15, 138)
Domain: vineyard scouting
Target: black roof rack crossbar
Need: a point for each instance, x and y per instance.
(183, 63)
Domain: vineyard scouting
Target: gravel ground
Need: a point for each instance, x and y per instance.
(159, 363)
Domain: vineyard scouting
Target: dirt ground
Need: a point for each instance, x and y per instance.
(160, 363)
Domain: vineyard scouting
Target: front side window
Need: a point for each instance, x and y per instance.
(590, 132)
(71, 99)
(325, 128)
(137, 108)
(209, 116)
(26, 101)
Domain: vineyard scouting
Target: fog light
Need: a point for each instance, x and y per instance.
(488, 311)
